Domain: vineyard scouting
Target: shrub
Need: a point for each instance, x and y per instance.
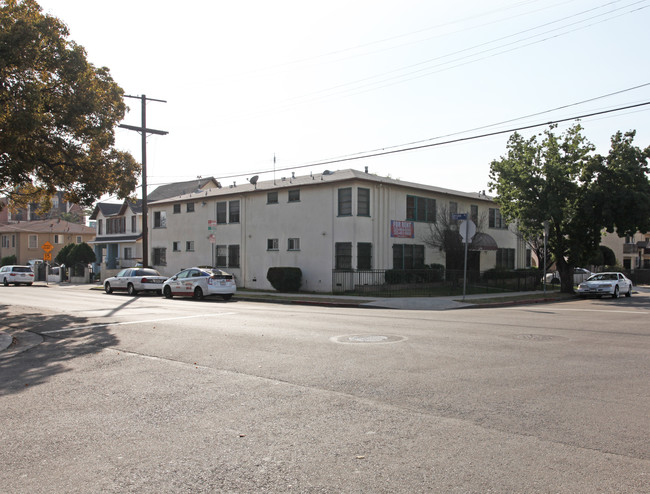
(8, 261)
(285, 279)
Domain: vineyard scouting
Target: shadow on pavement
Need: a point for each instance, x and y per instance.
(38, 364)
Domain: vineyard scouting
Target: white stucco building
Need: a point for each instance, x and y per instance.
(347, 219)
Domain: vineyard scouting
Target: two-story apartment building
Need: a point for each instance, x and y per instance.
(335, 220)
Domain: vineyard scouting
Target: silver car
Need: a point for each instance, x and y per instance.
(600, 284)
(135, 280)
(199, 283)
(16, 275)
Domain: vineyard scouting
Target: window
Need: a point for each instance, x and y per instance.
(234, 212)
(176, 246)
(99, 227)
(343, 255)
(506, 258)
(420, 209)
(272, 197)
(222, 212)
(363, 202)
(408, 256)
(128, 253)
(79, 239)
(160, 256)
(272, 244)
(160, 219)
(33, 242)
(529, 258)
(13, 241)
(345, 201)
(134, 224)
(364, 255)
(233, 256)
(5, 241)
(222, 256)
(189, 246)
(293, 244)
(473, 213)
(58, 239)
(294, 195)
(177, 209)
(189, 207)
(495, 219)
(453, 209)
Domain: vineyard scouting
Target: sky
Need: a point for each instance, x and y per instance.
(254, 87)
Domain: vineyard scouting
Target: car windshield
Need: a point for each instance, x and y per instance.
(604, 277)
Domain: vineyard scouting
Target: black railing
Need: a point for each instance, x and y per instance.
(431, 282)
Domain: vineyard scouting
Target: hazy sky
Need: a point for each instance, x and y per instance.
(307, 81)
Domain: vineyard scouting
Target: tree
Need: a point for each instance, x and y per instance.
(57, 115)
(80, 256)
(559, 180)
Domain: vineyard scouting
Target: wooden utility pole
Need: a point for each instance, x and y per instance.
(144, 131)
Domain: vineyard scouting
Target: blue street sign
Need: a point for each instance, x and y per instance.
(459, 216)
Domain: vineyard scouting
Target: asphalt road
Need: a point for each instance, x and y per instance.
(151, 395)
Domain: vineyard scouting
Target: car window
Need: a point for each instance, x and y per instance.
(183, 274)
(148, 272)
(122, 273)
(22, 269)
(195, 273)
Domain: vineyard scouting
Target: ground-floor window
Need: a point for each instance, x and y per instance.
(506, 258)
(222, 256)
(159, 256)
(343, 255)
(233, 256)
(128, 253)
(364, 255)
(408, 256)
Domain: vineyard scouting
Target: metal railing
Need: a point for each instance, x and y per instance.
(431, 282)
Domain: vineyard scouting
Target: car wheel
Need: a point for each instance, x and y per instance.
(131, 290)
(227, 296)
(107, 288)
(5, 282)
(615, 294)
(629, 292)
(167, 292)
(198, 293)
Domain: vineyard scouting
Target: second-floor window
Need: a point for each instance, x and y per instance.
(233, 216)
(345, 201)
(495, 220)
(294, 195)
(160, 219)
(189, 246)
(420, 209)
(33, 242)
(272, 244)
(222, 212)
(363, 202)
(134, 224)
(272, 197)
(99, 227)
(293, 244)
(189, 208)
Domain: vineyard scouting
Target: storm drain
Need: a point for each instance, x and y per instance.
(373, 338)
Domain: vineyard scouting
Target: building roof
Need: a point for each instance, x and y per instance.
(181, 188)
(107, 209)
(316, 179)
(47, 226)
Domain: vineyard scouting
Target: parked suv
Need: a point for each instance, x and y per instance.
(16, 275)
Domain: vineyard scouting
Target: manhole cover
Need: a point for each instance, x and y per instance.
(372, 338)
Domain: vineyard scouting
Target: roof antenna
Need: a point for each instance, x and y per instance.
(273, 168)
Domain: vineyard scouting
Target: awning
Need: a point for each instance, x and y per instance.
(483, 241)
(116, 240)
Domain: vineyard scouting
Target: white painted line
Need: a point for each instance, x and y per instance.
(77, 328)
(547, 309)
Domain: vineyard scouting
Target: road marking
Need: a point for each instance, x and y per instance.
(546, 309)
(77, 328)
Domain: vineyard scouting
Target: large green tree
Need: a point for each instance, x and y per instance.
(560, 181)
(57, 114)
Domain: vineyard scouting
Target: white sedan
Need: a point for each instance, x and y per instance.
(135, 280)
(600, 284)
(199, 283)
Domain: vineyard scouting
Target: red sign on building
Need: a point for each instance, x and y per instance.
(402, 229)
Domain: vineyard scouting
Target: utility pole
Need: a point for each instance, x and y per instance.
(144, 131)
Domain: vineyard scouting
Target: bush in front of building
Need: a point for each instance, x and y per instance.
(285, 279)
(428, 274)
(8, 261)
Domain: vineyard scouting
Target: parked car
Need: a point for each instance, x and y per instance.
(601, 284)
(199, 283)
(579, 275)
(135, 280)
(16, 275)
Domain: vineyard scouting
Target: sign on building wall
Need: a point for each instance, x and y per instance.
(402, 229)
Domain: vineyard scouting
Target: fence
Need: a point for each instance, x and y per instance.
(431, 282)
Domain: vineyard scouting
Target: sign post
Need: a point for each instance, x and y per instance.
(467, 230)
(47, 256)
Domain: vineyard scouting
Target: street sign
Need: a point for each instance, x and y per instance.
(47, 256)
(467, 230)
(47, 247)
(458, 216)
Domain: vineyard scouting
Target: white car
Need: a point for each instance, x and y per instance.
(16, 275)
(600, 284)
(199, 283)
(579, 275)
(135, 280)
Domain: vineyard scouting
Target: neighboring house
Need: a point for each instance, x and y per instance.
(343, 220)
(118, 227)
(26, 239)
(632, 252)
(61, 209)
